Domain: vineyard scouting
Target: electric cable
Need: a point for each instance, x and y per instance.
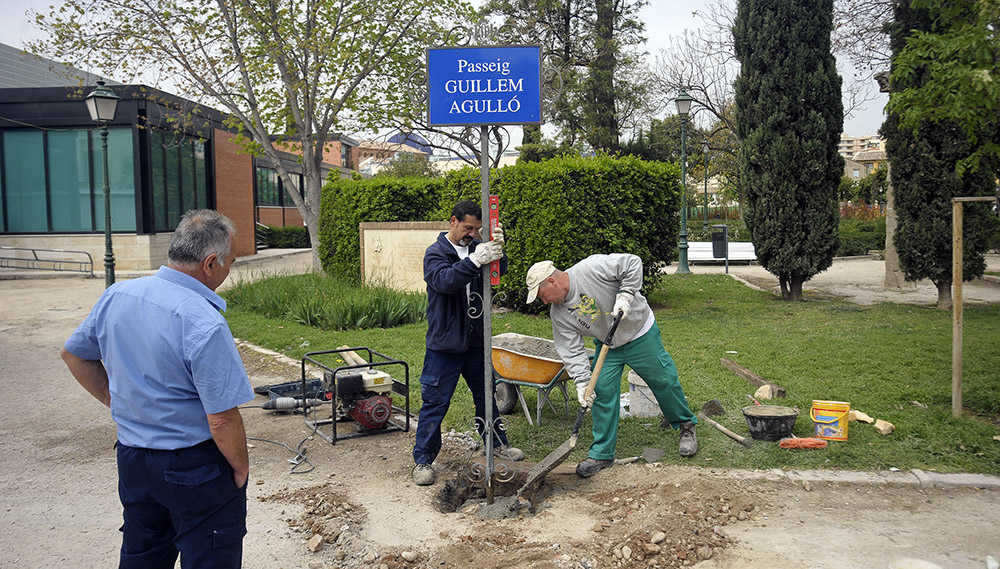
(300, 452)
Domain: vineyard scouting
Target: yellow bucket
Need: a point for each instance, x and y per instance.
(830, 419)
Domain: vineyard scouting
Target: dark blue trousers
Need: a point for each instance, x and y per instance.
(437, 384)
(183, 501)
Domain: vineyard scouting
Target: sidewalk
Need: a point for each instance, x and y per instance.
(859, 280)
(265, 262)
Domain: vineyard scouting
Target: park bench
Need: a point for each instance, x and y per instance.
(738, 251)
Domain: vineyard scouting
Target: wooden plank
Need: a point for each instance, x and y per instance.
(751, 377)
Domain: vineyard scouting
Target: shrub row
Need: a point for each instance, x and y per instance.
(562, 209)
(287, 237)
(858, 236)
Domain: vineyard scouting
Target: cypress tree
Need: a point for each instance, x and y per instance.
(789, 117)
(925, 178)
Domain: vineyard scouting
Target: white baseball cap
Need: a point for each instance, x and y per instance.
(536, 275)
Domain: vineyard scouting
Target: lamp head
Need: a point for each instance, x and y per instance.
(683, 102)
(102, 104)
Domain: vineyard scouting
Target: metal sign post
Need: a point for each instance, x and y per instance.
(485, 86)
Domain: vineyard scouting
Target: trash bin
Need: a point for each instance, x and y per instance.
(720, 241)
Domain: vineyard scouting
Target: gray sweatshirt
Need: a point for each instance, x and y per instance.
(593, 284)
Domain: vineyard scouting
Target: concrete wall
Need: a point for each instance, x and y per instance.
(234, 190)
(392, 253)
(132, 252)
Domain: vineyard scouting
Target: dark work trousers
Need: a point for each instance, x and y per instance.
(437, 384)
(180, 500)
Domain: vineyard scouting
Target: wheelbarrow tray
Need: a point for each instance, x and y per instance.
(526, 359)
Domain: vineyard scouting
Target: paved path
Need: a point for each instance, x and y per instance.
(859, 280)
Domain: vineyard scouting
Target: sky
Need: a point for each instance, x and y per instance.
(664, 19)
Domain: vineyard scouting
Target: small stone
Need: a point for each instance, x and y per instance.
(651, 548)
(884, 427)
(260, 482)
(409, 556)
(617, 552)
(598, 527)
(806, 486)
(742, 516)
(314, 543)
(315, 565)
(626, 553)
(657, 537)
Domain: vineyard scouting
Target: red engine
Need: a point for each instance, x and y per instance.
(372, 412)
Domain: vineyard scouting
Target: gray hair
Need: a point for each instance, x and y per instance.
(201, 233)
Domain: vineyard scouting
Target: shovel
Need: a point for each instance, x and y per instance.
(557, 456)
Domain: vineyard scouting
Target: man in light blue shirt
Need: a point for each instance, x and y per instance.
(159, 353)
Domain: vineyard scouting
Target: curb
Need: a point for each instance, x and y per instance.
(913, 477)
(261, 258)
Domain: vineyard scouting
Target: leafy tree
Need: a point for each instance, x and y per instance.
(789, 118)
(925, 150)
(306, 68)
(408, 165)
(588, 46)
(951, 71)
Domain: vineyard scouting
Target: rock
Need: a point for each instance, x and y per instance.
(617, 552)
(806, 486)
(314, 543)
(626, 553)
(996, 437)
(409, 556)
(371, 556)
(884, 427)
(315, 565)
(598, 527)
(742, 516)
(765, 391)
(657, 537)
(991, 562)
(651, 548)
(705, 552)
(856, 415)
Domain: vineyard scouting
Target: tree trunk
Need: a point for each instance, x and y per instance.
(783, 283)
(944, 295)
(795, 288)
(604, 123)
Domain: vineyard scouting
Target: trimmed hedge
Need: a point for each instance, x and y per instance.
(562, 209)
(858, 236)
(348, 202)
(287, 237)
(568, 208)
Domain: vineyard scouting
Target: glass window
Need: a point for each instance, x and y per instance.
(188, 197)
(69, 181)
(158, 181)
(200, 179)
(172, 169)
(24, 181)
(267, 187)
(121, 180)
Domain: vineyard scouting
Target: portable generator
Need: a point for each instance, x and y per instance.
(361, 391)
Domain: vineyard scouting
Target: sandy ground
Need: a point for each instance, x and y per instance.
(59, 506)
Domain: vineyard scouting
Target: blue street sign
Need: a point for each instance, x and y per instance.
(484, 85)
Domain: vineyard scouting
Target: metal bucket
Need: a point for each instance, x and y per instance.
(770, 422)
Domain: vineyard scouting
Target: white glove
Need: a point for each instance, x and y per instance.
(581, 389)
(486, 253)
(622, 303)
(498, 234)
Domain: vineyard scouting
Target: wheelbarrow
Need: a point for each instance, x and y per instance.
(527, 361)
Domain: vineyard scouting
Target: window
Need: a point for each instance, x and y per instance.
(271, 188)
(856, 173)
(54, 181)
(179, 176)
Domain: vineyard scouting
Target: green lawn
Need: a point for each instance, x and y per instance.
(881, 359)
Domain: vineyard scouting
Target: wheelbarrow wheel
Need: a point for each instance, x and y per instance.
(506, 395)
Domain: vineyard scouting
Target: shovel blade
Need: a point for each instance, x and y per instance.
(552, 460)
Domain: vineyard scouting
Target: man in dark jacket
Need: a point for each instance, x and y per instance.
(452, 270)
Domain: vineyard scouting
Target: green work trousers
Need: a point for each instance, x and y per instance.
(654, 365)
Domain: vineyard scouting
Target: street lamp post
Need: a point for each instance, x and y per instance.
(102, 104)
(683, 102)
(705, 147)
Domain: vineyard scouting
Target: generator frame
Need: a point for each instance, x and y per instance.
(401, 388)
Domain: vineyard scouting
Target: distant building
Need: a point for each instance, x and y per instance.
(374, 155)
(851, 145)
(452, 162)
(51, 189)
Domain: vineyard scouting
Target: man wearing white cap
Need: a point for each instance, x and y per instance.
(584, 299)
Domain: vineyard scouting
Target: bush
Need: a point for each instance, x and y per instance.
(737, 229)
(327, 302)
(858, 236)
(287, 237)
(348, 202)
(568, 208)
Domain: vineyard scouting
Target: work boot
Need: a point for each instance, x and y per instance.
(423, 474)
(688, 441)
(591, 466)
(513, 454)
